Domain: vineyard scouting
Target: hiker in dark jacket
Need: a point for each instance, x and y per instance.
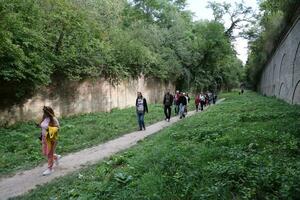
(168, 100)
(176, 102)
(182, 103)
(202, 100)
(141, 108)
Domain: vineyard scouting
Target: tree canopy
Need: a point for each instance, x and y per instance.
(43, 41)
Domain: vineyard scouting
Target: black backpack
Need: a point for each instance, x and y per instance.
(168, 100)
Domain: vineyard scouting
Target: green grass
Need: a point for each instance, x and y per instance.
(245, 148)
(20, 148)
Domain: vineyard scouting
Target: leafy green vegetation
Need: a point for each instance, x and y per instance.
(42, 42)
(21, 149)
(245, 148)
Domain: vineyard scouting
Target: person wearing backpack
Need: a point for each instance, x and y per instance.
(202, 100)
(182, 104)
(141, 108)
(50, 127)
(168, 100)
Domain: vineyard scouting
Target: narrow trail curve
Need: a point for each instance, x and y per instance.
(24, 181)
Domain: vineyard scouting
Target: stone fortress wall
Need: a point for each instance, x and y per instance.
(281, 76)
(85, 97)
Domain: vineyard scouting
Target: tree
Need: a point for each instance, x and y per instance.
(23, 49)
(240, 16)
(46, 42)
(215, 64)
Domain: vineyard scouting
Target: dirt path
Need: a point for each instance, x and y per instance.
(24, 181)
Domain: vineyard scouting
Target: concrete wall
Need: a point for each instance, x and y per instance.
(85, 97)
(281, 76)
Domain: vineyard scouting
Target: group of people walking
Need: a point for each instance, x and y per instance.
(204, 99)
(50, 125)
(180, 102)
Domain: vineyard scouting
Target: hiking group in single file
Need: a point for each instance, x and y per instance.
(49, 124)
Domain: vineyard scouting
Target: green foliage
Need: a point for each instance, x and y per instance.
(20, 147)
(214, 64)
(23, 55)
(245, 148)
(240, 16)
(46, 41)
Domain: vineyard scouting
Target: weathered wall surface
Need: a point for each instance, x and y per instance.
(85, 97)
(281, 76)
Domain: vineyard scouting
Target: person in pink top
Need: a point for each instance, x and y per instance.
(48, 146)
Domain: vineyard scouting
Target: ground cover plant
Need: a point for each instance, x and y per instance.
(21, 149)
(245, 148)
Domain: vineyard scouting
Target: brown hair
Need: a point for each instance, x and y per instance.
(48, 112)
(139, 93)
